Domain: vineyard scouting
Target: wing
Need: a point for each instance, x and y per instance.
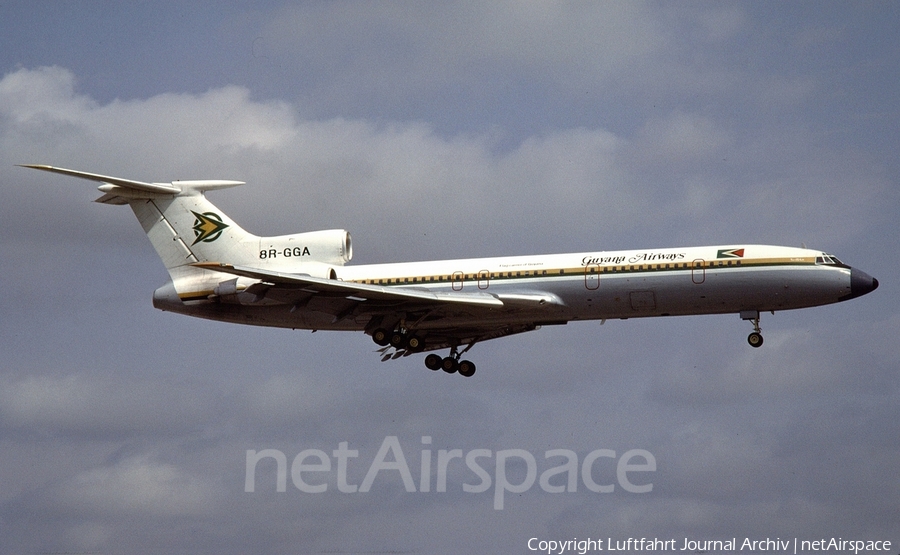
(484, 315)
(356, 292)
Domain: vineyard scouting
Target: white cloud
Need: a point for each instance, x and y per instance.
(88, 403)
(359, 170)
(29, 97)
(360, 175)
(139, 485)
(682, 138)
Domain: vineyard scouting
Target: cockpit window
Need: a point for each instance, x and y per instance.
(828, 259)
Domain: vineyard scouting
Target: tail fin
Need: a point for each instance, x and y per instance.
(183, 226)
(187, 228)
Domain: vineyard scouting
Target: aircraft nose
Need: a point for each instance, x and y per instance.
(860, 284)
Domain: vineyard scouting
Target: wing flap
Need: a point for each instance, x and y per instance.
(454, 337)
(530, 300)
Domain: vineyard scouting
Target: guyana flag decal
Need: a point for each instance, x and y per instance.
(730, 253)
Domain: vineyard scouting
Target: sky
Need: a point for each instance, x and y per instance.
(432, 131)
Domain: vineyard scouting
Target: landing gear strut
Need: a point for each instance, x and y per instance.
(755, 339)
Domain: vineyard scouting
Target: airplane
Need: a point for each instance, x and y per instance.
(220, 272)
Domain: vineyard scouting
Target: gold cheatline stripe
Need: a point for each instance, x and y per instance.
(581, 270)
(194, 296)
(723, 263)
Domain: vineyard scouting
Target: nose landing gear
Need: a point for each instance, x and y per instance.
(755, 339)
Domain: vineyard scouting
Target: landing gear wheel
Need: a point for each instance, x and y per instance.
(414, 343)
(449, 365)
(466, 368)
(381, 337)
(398, 340)
(755, 339)
(433, 362)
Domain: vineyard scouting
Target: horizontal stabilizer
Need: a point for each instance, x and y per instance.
(118, 190)
(159, 188)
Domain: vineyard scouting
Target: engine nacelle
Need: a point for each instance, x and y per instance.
(330, 246)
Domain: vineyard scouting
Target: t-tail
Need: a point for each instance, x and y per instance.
(187, 231)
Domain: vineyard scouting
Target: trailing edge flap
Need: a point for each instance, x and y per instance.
(456, 336)
(530, 299)
(118, 191)
(354, 291)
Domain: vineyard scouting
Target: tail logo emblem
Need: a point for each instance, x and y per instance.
(207, 227)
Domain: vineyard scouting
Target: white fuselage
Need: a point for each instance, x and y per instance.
(557, 288)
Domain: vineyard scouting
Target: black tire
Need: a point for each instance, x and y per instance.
(415, 343)
(449, 365)
(398, 340)
(467, 368)
(433, 362)
(381, 337)
(755, 339)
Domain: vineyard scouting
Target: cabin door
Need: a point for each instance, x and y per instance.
(592, 277)
(698, 271)
(484, 279)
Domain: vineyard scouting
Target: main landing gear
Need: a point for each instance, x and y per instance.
(755, 339)
(398, 339)
(450, 364)
(403, 340)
